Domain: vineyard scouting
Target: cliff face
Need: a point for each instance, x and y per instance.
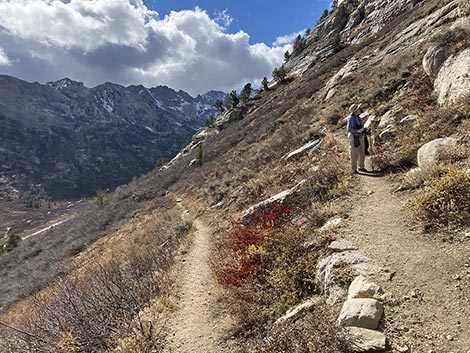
(68, 140)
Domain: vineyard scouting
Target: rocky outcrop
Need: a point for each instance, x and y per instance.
(429, 152)
(229, 116)
(433, 60)
(328, 273)
(309, 148)
(283, 197)
(453, 81)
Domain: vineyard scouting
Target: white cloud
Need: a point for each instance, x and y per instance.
(123, 42)
(4, 61)
(289, 38)
(223, 18)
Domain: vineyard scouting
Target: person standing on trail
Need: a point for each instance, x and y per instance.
(356, 138)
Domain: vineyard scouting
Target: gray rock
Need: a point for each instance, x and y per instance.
(387, 135)
(327, 273)
(429, 152)
(283, 197)
(310, 146)
(433, 60)
(362, 288)
(341, 245)
(372, 121)
(293, 313)
(228, 117)
(409, 118)
(330, 224)
(453, 81)
(364, 340)
(364, 312)
(389, 117)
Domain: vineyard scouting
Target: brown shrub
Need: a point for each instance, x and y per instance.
(315, 332)
(446, 201)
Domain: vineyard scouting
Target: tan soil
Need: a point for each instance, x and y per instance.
(196, 327)
(426, 308)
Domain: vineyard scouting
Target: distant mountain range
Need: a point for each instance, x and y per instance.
(65, 140)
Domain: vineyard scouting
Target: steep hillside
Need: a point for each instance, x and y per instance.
(306, 256)
(69, 140)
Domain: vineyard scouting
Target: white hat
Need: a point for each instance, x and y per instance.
(354, 107)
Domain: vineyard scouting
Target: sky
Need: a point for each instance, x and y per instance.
(193, 45)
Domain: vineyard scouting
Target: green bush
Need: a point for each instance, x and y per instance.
(12, 242)
(446, 201)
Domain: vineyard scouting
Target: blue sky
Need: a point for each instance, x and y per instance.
(263, 20)
(191, 45)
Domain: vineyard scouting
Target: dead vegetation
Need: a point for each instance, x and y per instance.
(95, 303)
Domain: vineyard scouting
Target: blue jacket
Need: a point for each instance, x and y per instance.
(354, 124)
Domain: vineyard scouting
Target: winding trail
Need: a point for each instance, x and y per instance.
(428, 306)
(195, 327)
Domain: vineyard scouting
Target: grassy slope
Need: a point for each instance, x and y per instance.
(242, 165)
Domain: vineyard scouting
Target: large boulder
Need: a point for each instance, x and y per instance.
(453, 81)
(429, 152)
(362, 288)
(364, 312)
(433, 60)
(364, 340)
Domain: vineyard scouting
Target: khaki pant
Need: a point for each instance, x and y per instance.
(357, 155)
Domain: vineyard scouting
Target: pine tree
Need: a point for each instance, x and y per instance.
(286, 56)
(336, 44)
(246, 93)
(280, 74)
(264, 84)
(219, 106)
(234, 99)
(100, 198)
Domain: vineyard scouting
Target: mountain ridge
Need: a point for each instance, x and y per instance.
(68, 140)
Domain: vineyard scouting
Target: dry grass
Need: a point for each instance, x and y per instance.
(446, 202)
(91, 305)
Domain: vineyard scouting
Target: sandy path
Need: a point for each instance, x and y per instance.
(195, 328)
(428, 310)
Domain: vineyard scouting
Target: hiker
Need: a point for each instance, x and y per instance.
(356, 138)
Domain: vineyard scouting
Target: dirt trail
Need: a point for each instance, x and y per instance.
(195, 327)
(428, 304)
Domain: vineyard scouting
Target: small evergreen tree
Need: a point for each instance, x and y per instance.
(286, 56)
(264, 84)
(336, 44)
(219, 106)
(160, 162)
(280, 74)
(210, 122)
(245, 94)
(299, 45)
(234, 99)
(307, 32)
(100, 198)
(12, 242)
(324, 15)
(200, 155)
